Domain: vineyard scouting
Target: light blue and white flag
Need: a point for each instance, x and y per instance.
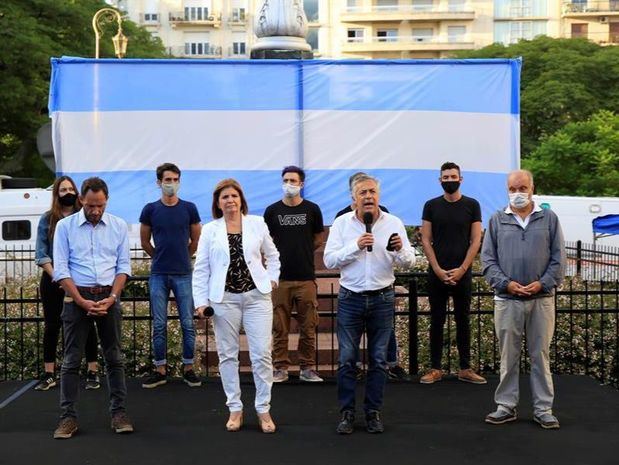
(397, 120)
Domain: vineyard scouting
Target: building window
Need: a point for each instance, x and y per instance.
(16, 230)
(457, 5)
(312, 37)
(423, 5)
(311, 10)
(422, 34)
(238, 48)
(613, 29)
(198, 48)
(238, 15)
(355, 35)
(196, 13)
(386, 5)
(151, 17)
(520, 8)
(387, 35)
(456, 33)
(579, 30)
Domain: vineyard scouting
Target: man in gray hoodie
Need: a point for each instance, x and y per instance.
(523, 259)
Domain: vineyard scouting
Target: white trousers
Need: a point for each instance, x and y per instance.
(511, 319)
(252, 311)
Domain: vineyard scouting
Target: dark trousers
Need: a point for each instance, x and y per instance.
(52, 296)
(439, 293)
(76, 325)
(355, 313)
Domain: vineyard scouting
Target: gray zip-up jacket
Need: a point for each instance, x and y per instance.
(511, 253)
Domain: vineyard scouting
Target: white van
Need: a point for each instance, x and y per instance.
(577, 213)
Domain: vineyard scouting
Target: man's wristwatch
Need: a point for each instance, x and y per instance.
(114, 296)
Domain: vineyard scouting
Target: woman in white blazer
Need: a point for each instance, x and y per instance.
(229, 276)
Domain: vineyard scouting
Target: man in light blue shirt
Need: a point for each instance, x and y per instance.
(91, 258)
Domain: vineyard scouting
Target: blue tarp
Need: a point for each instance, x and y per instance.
(608, 224)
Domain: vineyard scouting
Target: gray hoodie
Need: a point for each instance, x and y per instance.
(511, 253)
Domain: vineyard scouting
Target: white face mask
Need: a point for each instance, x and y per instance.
(290, 190)
(519, 199)
(170, 189)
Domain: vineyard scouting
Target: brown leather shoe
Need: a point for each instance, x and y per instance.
(121, 423)
(66, 428)
(469, 376)
(432, 376)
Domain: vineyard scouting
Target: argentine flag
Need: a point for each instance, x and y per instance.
(397, 120)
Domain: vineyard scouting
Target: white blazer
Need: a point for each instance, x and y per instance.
(213, 259)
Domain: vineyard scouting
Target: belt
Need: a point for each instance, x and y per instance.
(95, 289)
(374, 292)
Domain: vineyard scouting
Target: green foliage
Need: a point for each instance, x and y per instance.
(32, 31)
(582, 158)
(563, 81)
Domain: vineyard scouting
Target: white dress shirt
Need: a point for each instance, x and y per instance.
(523, 222)
(213, 259)
(361, 270)
(91, 255)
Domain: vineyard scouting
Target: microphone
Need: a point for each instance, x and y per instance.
(208, 312)
(367, 220)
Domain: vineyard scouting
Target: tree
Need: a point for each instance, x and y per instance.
(563, 80)
(32, 31)
(582, 158)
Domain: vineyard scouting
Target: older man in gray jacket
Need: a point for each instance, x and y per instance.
(523, 258)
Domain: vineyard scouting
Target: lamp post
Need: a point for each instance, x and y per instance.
(108, 15)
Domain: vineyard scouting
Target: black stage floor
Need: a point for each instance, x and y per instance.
(437, 424)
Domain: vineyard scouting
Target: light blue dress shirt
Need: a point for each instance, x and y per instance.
(91, 255)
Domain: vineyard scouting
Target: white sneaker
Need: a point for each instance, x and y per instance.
(280, 376)
(310, 376)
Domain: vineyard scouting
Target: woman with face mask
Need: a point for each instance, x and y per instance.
(65, 202)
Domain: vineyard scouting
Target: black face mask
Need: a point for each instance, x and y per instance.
(67, 200)
(450, 186)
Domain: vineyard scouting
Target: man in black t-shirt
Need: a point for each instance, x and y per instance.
(451, 236)
(297, 229)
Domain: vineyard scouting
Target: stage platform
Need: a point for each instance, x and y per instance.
(435, 424)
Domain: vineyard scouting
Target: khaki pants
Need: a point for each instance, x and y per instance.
(511, 319)
(302, 295)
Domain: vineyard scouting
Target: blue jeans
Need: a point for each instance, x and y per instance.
(356, 313)
(160, 286)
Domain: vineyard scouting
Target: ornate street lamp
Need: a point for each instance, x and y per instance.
(108, 15)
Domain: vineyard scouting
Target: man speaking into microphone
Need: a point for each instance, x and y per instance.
(365, 244)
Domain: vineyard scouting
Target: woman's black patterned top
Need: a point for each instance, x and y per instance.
(238, 278)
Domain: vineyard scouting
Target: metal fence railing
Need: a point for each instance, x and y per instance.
(586, 339)
(592, 262)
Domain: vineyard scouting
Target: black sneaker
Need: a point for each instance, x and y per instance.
(47, 381)
(373, 423)
(154, 379)
(92, 380)
(397, 373)
(191, 380)
(347, 422)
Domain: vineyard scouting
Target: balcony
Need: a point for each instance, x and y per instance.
(181, 19)
(407, 43)
(383, 13)
(584, 10)
(206, 52)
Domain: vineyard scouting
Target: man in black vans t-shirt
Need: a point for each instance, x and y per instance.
(297, 229)
(451, 236)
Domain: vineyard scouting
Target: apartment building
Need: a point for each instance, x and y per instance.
(367, 29)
